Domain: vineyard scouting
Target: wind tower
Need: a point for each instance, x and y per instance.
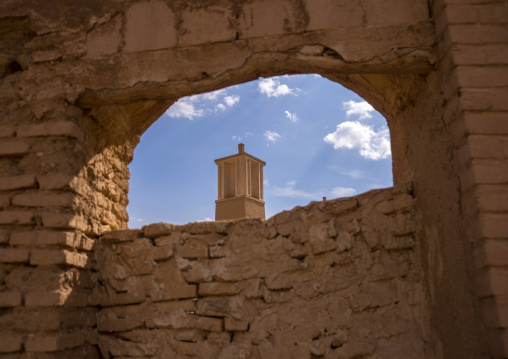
(240, 187)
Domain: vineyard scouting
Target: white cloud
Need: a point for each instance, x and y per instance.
(231, 100)
(291, 116)
(360, 109)
(213, 95)
(266, 182)
(207, 219)
(185, 107)
(239, 138)
(372, 145)
(356, 174)
(290, 191)
(271, 136)
(195, 106)
(342, 192)
(273, 88)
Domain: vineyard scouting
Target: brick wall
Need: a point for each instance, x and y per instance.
(473, 45)
(79, 85)
(340, 278)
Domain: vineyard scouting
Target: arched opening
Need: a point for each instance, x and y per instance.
(319, 138)
(94, 82)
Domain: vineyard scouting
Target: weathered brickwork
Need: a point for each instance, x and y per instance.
(339, 278)
(80, 84)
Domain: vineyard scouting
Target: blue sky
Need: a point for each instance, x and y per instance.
(317, 138)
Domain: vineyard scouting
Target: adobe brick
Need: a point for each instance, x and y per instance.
(64, 221)
(492, 199)
(158, 229)
(104, 39)
(5, 200)
(108, 324)
(325, 15)
(193, 249)
(10, 299)
(172, 306)
(4, 237)
(16, 217)
(50, 128)
(59, 256)
(41, 342)
(460, 14)
(491, 253)
(208, 227)
(494, 13)
(495, 225)
(44, 199)
(210, 324)
(14, 148)
(488, 147)
(490, 172)
(489, 54)
(44, 56)
(482, 76)
(495, 313)
(219, 288)
(14, 255)
(478, 34)
(469, 2)
(160, 253)
(17, 182)
(10, 342)
(43, 238)
(493, 283)
(265, 19)
(121, 235)
(214, 307)
(206, 26)
(491, 99)
(46, 299)
(149, 26)
(486, 123)
(54, 181)
(235, 325)
(402, 12)
(7, 131)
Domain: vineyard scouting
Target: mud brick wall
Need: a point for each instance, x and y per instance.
(80, 84)
(334, 279)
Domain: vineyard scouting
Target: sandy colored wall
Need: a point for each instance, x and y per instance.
(80, 84)
(334, 279)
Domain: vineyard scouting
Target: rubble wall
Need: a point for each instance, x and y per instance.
(80, 84)
(334, 279)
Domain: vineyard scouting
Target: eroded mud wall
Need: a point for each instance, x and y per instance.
(334, 279)
(80, 84)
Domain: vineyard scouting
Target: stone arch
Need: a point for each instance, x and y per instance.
(89, 81)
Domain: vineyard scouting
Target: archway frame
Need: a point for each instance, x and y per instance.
(97, 80)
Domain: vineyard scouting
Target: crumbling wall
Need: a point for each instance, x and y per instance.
(334, 279)
(80, 84)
